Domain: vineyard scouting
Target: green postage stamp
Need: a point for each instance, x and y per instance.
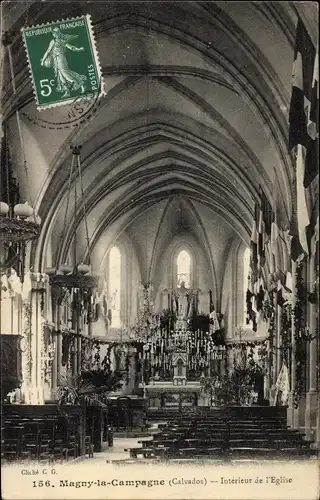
(63, 61)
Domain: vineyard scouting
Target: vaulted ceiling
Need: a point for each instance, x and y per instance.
(194, 121)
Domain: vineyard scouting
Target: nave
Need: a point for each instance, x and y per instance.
(159, 231)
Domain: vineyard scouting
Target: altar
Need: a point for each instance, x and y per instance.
(167, 395)
(179, 392)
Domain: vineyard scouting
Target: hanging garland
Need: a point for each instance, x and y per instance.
(127, 367)
(44, 354)
(271, 317)
(268, 306)
(86, 353)
(243, 343)
(27, 336)
(97, 357)
(271, 330)
(299, 326)
(106, 362)
(249, 350)
(263, 358)
(286, 333)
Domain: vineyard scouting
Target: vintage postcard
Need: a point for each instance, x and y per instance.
(159, 250)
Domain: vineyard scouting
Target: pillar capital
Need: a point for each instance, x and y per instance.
(39, 281)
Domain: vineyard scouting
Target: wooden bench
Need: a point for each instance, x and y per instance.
(211, 452)
(259, 443)
(294, 452)
(146, 444)
(146, 452)
(249, 452)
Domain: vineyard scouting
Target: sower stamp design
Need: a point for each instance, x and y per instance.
(63, 61)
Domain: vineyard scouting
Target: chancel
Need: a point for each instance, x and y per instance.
(159, 231)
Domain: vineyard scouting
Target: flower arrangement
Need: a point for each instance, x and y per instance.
(237, 389)
(286, 333)
(299, 326)
(27, 336)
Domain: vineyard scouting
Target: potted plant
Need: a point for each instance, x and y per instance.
(87, 390)
(218, 389)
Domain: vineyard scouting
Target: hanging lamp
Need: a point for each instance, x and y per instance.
(76, 275)
(18, 221)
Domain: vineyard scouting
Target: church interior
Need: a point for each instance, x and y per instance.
(160, 241)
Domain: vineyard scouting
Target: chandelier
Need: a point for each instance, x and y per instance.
(75, 275)
(19, 223)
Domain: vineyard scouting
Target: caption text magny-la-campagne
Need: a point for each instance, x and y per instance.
(149, 483)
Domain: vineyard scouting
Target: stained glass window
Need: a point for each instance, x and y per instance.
(246, 270)
(184, 269)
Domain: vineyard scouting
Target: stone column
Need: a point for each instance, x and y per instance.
(229, 355)
(54, 364)
(26, 347)
(90, 326)
(299, 412)
(74, 358)
(55, 340)
(312, 394)
(78, 353)
(225, 362)
(267, 378)
(57, 360)
(273, 344)
(132, 374)
(36, 390)
(278, 338)
(59, 354)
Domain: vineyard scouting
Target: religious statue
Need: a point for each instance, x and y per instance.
(120, 357)
(182, 301)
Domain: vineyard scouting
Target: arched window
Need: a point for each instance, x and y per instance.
(184, 269)
(246, 270)
(114, 285)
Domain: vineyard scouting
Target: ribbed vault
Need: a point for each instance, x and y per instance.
(196, 110)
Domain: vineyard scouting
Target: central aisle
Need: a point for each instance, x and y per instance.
(117, 451)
